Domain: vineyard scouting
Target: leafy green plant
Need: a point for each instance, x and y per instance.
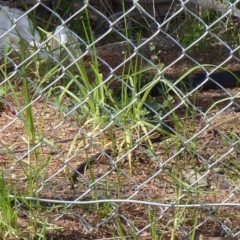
(196, 31)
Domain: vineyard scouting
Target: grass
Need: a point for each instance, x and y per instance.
(127, 113)
(131, 121)
(8, 219)
(95, 119)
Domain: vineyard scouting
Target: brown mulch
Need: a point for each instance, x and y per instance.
(66, 142)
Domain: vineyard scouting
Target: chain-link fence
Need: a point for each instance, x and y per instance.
(119, 119)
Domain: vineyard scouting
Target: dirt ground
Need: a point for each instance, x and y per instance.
(213, 154)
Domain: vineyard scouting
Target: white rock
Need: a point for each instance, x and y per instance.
(64, 42)
(194, 177)
(14, 26)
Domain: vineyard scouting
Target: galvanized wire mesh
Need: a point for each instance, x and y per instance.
(173, 171)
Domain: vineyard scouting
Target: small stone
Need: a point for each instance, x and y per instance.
(194, 177)
(169, 190)
(220, 182)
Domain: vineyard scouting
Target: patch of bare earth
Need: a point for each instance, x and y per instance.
(157, 174)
